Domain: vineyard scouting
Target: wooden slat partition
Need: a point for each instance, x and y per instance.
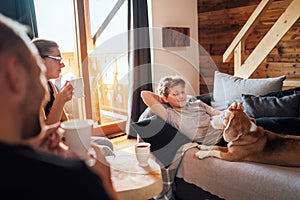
(278, 30)
(247, 28)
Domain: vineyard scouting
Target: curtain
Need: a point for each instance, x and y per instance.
(140, 77)
(23, 11)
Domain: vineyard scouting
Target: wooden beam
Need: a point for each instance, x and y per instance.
(292, 82)
(108, 19)
(247, 28)
(209, 5)
(278, 30)
(239, 55)
(83, 53)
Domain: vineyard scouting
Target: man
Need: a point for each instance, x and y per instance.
(29, 173)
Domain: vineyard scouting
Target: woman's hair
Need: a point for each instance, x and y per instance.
(44, 46)
(168, 82)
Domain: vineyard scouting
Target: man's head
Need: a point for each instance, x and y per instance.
(172, 91)
(22, 83)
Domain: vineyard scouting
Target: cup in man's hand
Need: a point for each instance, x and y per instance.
(77, 134)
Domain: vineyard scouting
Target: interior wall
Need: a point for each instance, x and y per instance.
(219, 23)
(181, 61)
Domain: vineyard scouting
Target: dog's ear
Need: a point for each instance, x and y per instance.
(253, 125)
(230, 133)
(227, 116)
(253, 120)
(222, 120)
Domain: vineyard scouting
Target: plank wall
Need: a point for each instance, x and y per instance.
(220, 21)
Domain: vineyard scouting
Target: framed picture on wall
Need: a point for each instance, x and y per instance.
(176, 36)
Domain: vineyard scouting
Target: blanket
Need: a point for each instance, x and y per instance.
(240, 180)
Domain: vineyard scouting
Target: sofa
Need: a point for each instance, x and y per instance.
(212, 178)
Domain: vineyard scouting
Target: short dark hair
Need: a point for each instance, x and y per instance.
(12, 42)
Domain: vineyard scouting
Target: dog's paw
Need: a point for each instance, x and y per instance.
(202, 154)
(204, 147)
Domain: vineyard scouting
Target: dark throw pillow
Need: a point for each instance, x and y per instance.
(284, 125)
(282, 93)
(165, 140)
(271, 106)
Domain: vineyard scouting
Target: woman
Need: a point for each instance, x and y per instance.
(54, 108)
(51, 57)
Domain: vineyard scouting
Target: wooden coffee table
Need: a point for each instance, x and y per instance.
(131, 181)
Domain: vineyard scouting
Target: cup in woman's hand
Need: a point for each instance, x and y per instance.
(77, 84)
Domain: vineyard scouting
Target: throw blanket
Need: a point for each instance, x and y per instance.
(240, 180)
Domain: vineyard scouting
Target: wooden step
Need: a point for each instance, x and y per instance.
(292, 82)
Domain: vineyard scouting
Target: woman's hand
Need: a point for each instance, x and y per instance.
(66, 92)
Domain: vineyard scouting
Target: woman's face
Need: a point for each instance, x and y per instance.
(177, 97)
(53, 64)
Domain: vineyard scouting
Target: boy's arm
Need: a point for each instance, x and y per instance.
(154, 101)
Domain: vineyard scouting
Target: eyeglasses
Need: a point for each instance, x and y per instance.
(58, 58)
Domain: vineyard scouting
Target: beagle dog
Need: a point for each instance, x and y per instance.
(248, 142)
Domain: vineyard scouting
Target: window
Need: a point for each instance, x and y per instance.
(60, 27)
(108, 62)
(108, 67)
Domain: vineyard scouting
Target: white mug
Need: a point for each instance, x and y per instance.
(77, 134)
(78, 86)
(142, 153)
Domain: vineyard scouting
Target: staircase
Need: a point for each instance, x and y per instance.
(245, 65)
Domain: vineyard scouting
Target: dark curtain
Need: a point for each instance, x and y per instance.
(23, 11)
(139, 58)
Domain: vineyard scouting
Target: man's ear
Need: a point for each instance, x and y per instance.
(13, 73)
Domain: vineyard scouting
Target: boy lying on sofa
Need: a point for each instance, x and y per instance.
(191, 118)
(186, 122)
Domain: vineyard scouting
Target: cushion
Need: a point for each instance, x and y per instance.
(206, 98)
(218, 92)
(283, 92)
(284, 125)
(165, 140)
(228, 88)
(271, 106)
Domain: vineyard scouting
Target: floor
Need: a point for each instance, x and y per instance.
(122, 142)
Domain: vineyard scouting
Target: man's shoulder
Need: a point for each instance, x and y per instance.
(31, 172)
(37, 160)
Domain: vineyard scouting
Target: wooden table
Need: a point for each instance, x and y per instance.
(131, 181)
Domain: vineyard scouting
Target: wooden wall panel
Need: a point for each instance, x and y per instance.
(220, 21)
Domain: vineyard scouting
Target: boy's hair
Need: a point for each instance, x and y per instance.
(168, 82)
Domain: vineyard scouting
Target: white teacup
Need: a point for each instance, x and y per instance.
(77, 84)
(77, 134)
(142, 153)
